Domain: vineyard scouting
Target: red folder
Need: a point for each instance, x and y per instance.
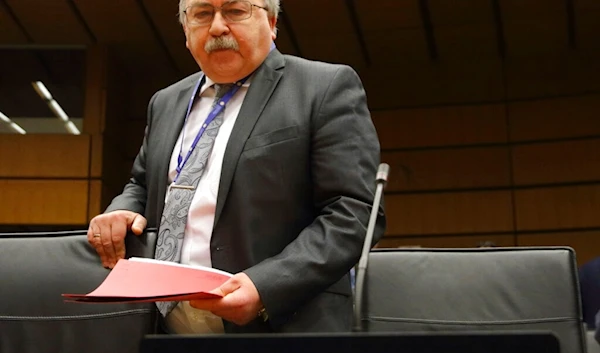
(146, 280)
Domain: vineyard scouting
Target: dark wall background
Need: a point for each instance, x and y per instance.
(487, 111)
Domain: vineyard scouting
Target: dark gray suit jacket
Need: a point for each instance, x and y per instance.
(295, 192)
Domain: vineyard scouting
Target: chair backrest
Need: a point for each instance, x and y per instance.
(36, 269)
(485, 289)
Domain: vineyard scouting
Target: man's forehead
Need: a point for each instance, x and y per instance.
(218, 2)
(205, 2)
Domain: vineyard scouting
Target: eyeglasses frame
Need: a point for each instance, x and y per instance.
(218, 8)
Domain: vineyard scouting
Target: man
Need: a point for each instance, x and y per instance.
(284, 195)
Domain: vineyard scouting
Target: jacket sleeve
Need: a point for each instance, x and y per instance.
(344, 159)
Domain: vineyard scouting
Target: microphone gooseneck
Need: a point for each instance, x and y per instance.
(380, 179)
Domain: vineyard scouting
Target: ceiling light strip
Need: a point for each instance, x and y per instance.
(17, 128)
(72, 128)
(4, 118)
(45, 94)
(12, 124)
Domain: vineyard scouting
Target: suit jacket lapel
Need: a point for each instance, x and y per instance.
(261, 88)
(174, 124)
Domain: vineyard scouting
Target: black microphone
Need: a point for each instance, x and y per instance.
(380, 180)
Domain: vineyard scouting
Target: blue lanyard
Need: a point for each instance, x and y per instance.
(218, 108)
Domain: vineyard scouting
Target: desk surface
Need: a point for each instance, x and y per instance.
(453, 342)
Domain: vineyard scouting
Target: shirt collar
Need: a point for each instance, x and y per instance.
(208, 83)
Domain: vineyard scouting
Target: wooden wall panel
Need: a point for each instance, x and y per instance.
(470, 241)
(135, 130)
(399, 23)
(585, 244)
(49, 22)
(443, 213)
(108, 193)
(461, 42)
(441, 126)
(556, 74)
(557, 162)
(397, 13)
(96, 156)
(401, 44)
(44, 156)
(10, 32)
(43, 202)
(316, 35)
(558, 208)
(546, 34)
(425, 83)
(95, 89)
(448, 168)
(587, 13)
(141, 91)
(114, 172)
(116, 138)
(554, 118)
(94, 199)
(463, 29)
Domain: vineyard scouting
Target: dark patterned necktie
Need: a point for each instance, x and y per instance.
(177, 205)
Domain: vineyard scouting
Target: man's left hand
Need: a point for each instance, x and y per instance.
(240, 303)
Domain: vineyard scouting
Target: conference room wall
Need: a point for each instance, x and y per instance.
(61, 181)
(510, 157)
(44, 179)
(489, 149)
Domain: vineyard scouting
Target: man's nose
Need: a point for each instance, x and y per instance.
(218, 26)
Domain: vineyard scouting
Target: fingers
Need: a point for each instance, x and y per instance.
(230, 286)
(118, 241)
(206, 304)
(215, 304)
(95, 239)
(107, 232)
(108, 246)
(240, 304)
(138, 224)
(102, 241)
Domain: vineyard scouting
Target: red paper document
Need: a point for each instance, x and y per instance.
(147, 280)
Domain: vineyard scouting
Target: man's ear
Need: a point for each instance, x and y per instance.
(273, 24)
(185, 32)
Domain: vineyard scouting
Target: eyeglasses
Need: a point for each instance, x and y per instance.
(202, 14)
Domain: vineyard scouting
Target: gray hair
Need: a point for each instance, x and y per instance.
(273, 8)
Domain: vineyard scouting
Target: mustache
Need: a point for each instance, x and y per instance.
(221, 43)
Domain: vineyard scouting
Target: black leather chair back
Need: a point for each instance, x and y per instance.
(35, 269)
(486, 289)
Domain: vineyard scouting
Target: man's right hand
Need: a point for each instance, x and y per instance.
(107, 234)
